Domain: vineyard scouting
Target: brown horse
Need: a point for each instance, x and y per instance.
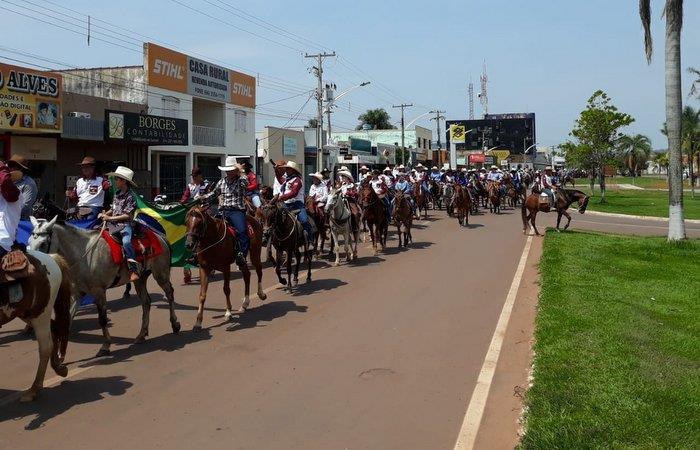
(319, 217)
(374, 214)
(286, 234)
(215, 248)
(421, 199)
(403, 217)
(563, 198)
(463, 204)
(494, 195)
(41, 286)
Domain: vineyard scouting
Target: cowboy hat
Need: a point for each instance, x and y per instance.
(548, 168)
(345, 168)
(87, 161)
(364, 168)
(230, 164)
(464, 169)
(494, 167)
(317, 175)
(19, 160)
(347, 174)
(294, 166)
(434, 168)
(387, 169)
(279, 162)
(124, 173)
(401, 167)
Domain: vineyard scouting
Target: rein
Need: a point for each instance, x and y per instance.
(223, 237)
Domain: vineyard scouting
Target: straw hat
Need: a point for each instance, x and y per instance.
(347, 174)
(124, 173)
(387, 169)
(494, 167)
(294, 166)
(434, 168)
(230, 164)
(18, 160)
(364, 168)
(317, 175)
(87, 161)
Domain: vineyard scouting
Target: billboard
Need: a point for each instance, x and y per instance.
(178, 72)
(145, 128)
(30, 100)
(457, 134)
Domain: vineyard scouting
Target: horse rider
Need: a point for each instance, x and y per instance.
(326, 178)
(89, 190)
(292, 197)
(193, 191)
(25, 184)
(279, 175)
(10, 207)
(482, 174)
(232, 189)
(364, 174)
(120, 216)
(319, 193)
(516, 179)
(405, 186)
(448, 177)
(422, 178)
(347, 184)
(435, 175)
(253, 189)
(495, 176)
(382, 190)
(548, 184)
(388, 177)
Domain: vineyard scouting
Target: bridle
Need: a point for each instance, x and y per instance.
(204, 223)
(337, 202)
(272, 229)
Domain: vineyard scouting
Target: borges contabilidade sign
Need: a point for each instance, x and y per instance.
(145, 129)
(30, 100)
(176, 71)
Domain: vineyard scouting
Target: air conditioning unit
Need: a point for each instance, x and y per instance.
(82, 115)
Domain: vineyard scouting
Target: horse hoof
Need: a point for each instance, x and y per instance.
(262, 296)
(197, 328)
(28, 396)
(61, 370)
(283, 282)
(336, 263)
(103, 352)
(140, 339)
(227, 314)
(176, 327)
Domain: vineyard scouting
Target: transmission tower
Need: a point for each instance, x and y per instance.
(471, 100)
(483, 96)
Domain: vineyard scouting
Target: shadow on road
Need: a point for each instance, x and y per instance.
(57, 400)
(266, 312)
(326, 284)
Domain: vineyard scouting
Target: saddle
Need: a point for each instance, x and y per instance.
(14, 266)
(232, 231)
(543, 201)
(146, 245)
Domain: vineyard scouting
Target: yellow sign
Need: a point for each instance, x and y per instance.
(500, 154)
(30, 100)
(457, 134)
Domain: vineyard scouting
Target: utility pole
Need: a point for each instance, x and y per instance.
(438, 116)
(318, 69)
(403, 137)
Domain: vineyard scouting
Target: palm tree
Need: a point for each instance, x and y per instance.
(695, 87)
(635, 151)
(662, 160)
(377, 119)
(690, 135)
(673, 12)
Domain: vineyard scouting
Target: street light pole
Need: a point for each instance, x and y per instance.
(319, 98)
(438, 116)
(331, 104)
(403, 137)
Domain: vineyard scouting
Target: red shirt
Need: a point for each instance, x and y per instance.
(252, 182)
(291, 189)
(8, 189)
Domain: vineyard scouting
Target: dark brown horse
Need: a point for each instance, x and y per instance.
(403, 218)
(563, 198)
(286, 234)
(215, 248)
(319, 217)
(421, 199)
(434, 189)
(463, 204)
(494, 195)
(374, 213)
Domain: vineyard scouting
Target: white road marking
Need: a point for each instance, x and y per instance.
(477, 403)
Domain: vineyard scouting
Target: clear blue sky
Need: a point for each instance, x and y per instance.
(545, 57)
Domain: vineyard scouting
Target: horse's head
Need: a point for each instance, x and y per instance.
(196, 222)
(268, 215)
(332, 199)
(367, 194)
(40, 239)
(583, 202)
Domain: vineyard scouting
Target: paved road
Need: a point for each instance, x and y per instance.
(381, 353)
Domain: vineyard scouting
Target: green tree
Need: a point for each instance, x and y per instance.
(635, 152)
(673, 13)
(690, 140)
(662, 160)
(378, 119)
(695, 87)
(313, 123)
(597, 133)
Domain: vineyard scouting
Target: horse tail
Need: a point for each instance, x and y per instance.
(523, 211)
(62, 306)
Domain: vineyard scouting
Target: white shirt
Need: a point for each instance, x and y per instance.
(346, 186)
(388, 180)
(276, 186)
(9, 221)
(377, 186)
(319, 192)
(90, 192)
(494, 176)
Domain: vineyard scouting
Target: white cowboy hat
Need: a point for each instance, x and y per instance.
(548, 168)
(464, 169)
(230, 164)
(387, 169)
(347, 174)
(401, 167)
(494, 167)
(317, 175)
(434, 168)
(124, 173)
(364, 168)
(294, 166)
(345, 168)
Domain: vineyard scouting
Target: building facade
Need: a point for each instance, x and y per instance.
(275, 144)
(418, 140)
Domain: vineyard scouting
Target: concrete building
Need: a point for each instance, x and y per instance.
(282, 143)
(217, 103)
(418, 140)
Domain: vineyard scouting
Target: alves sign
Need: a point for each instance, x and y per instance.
(30, 100)
(145, 129)
(178, 72)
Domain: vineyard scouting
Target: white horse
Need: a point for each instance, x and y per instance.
(46, 290)
(340, 218)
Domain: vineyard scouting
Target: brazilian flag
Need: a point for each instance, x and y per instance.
(170, 222)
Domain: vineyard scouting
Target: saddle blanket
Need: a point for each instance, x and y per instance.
(146, 247)
(232, 231)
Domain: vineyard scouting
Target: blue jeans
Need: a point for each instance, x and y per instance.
(236, 218)
(303, 216)
(96, 210)
(550, 193)
(127, 233)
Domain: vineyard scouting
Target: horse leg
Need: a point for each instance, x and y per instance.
(308, 264)
(146, 309)
(101, 304)
(278, 268)
(226, 273)
(42, 330)
(163, 280)
(288, 263)
(532, 220)
(568, 220)
(297, 255)
(127, 292)
(257, 263)
(203, 286)
(559, 214)
(246, 280)
(372, 234)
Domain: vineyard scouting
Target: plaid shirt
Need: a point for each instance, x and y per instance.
(231, 192)
(124, 202)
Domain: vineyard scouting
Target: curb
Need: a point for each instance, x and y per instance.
(629, 216)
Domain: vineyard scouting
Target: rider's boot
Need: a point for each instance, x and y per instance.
(133, 270)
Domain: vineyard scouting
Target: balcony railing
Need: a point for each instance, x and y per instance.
(80, 128)
(210, 137)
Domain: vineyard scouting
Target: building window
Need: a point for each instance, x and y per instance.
(241, 121)
(171, 107)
